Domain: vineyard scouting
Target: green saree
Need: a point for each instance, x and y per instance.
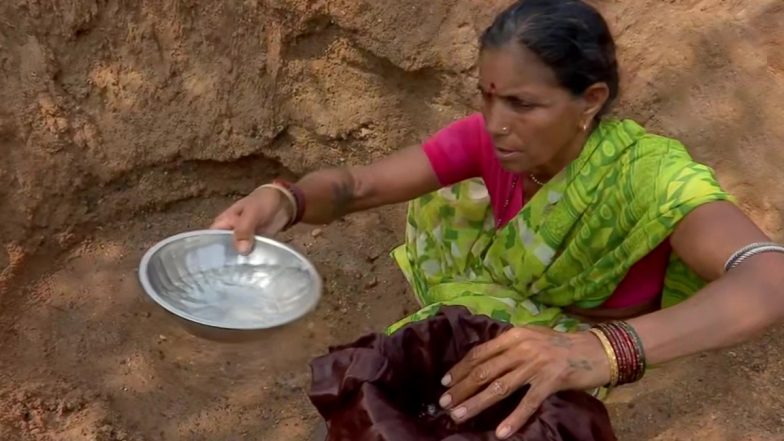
(571, 244)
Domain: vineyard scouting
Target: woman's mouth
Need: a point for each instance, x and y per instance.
(506, 154)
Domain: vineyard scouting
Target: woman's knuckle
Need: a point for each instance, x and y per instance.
(474, 354)
(527, 347)
(518, 333)
(500, 388)
(532, 402)
(539, 394)
(479, 375)
(529, 409)
(548, 359)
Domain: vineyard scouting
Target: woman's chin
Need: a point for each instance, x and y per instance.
(515, 167)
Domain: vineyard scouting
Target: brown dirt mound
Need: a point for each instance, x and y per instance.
(123, 122)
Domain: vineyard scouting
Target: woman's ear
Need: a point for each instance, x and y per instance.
(594, 98)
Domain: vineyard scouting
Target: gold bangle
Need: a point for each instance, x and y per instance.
(608, 349)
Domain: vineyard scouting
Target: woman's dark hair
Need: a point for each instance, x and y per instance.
(570, 36)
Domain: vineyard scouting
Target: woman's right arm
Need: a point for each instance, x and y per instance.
(331, 194)
(399, 177)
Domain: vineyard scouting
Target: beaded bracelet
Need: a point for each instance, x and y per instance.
(624, 350)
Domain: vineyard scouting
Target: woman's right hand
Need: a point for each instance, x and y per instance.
(265, 211)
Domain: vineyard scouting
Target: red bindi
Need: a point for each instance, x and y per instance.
(492, 87)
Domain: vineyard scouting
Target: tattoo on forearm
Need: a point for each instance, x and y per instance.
(584, 365)
(343, 195)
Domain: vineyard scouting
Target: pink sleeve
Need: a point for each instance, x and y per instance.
(454, 151)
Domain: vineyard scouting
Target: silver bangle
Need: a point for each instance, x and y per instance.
(751, 250)
(732, 261)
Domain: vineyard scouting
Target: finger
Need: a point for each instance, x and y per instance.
(479, 354)
(496, 391)
(226, 220)
(244, 231)
(479, 377)
(531, 403)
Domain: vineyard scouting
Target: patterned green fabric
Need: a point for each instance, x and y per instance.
(571, 244)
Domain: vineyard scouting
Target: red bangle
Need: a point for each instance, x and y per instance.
(628, 350)
(620, 354)
(299, 196)
(638, 367)
(640, 350)
(621, 340)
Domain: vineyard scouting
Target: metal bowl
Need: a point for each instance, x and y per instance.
(200, 278)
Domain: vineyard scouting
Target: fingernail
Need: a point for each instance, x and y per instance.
(504, 432)
(445, 400)
(459, 413)
(243, 246)
(447, 380)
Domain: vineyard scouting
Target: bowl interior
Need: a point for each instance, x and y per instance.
(200, 277)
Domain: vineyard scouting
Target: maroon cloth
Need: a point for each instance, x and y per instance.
(386, 388)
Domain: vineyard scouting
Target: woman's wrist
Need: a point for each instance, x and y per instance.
(298, 202)
(292, 200)
(593, 360)
(286, 209)
(623, 352)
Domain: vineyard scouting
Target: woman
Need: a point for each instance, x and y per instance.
(539, 211)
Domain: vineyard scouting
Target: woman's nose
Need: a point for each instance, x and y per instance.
(495, 122)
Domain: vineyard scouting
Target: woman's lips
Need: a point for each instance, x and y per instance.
(505, 154)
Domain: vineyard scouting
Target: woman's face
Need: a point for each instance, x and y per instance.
(537, 126)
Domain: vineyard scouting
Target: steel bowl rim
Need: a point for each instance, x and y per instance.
(154, 295)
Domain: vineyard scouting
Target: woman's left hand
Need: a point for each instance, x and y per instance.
(549, 361)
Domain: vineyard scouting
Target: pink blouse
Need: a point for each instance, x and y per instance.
(464, 150)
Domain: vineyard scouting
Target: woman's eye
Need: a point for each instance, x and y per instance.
(519, 104)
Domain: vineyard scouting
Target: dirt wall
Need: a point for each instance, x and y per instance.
(112, 108)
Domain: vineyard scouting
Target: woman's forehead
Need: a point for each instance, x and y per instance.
(512, 68)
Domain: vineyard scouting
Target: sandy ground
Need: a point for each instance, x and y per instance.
(91, 359)
(85, 357)
(120, 125)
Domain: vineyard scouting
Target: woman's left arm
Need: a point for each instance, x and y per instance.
(732, 308)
